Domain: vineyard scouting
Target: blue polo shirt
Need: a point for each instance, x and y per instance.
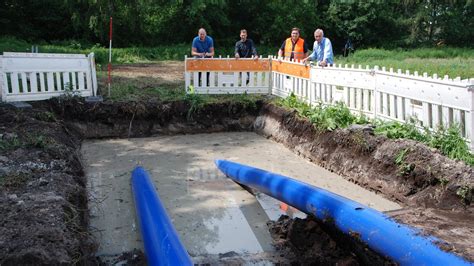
(203, 46)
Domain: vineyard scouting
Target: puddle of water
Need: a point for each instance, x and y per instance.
(222, 218)
(275, 208)
(228, 227)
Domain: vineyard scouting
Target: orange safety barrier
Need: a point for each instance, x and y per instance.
(227, 65)
(291, 69)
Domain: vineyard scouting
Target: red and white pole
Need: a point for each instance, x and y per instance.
(109, 66)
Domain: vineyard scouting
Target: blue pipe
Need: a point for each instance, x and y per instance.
(162, 244)
(382, 234)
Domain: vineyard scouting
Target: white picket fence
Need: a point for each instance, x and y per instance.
(39, 76)
(377, 93)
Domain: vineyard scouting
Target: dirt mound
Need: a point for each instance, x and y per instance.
(43, 204)
(311, 242)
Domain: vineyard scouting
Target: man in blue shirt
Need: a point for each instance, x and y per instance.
(203, 45)
(322, 50)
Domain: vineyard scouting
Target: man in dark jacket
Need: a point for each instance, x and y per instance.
(245, 48)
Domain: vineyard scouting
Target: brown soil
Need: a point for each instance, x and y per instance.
(43, 201)
(312, 242)
(142, 76)
(167, 71)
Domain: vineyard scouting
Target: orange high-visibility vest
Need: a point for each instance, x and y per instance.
(298, 51)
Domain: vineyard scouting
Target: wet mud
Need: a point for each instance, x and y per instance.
(43, 196)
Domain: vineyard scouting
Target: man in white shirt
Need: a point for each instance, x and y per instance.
(322, 50)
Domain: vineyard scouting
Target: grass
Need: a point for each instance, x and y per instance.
(447, 140)
(29, 140)
(454, 62)
(129, 92)
(441, 60)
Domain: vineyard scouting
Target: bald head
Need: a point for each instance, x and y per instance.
(202, 34)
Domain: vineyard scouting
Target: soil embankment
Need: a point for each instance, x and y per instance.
(436, 192)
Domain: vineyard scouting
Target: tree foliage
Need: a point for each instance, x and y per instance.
(389, 24)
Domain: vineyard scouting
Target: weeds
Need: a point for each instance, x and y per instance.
(451, 144)
(404, 168)
(69, 91)
(13, 180)
(324, 118)
(447, 140)
(248, 101)
(396, 130)
(195, 101)
(34, 141)
(444, 181)
(10, 144)
(465, 192)
(46, 116)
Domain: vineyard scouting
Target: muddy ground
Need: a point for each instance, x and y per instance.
(43, 201)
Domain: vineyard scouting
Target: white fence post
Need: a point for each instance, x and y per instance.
(376, 98)
(3, 80)
(270, 76)
(93, 73)
(470, 118)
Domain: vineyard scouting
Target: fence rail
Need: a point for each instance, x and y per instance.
(377, 93)
(39, 76)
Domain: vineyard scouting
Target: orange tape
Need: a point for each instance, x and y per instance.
(227, 65)
(291, 69)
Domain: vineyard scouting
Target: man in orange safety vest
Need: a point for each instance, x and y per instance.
(294, 48)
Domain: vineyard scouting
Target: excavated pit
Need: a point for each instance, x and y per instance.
(44, 206)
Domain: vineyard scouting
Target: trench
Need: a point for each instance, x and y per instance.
(212, 214)
(218, 221)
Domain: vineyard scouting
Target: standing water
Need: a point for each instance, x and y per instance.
(214, 217)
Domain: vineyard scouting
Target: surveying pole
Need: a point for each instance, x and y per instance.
(109, 66)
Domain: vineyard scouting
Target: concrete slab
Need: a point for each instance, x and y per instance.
(208, 210)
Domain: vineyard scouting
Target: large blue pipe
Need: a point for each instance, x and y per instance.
(162, 244)
(399, 242)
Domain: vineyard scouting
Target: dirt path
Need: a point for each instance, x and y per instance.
(147, 75)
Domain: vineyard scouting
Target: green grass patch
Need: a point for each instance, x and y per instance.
(30, 140)
(129, 92)
(454, 62)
